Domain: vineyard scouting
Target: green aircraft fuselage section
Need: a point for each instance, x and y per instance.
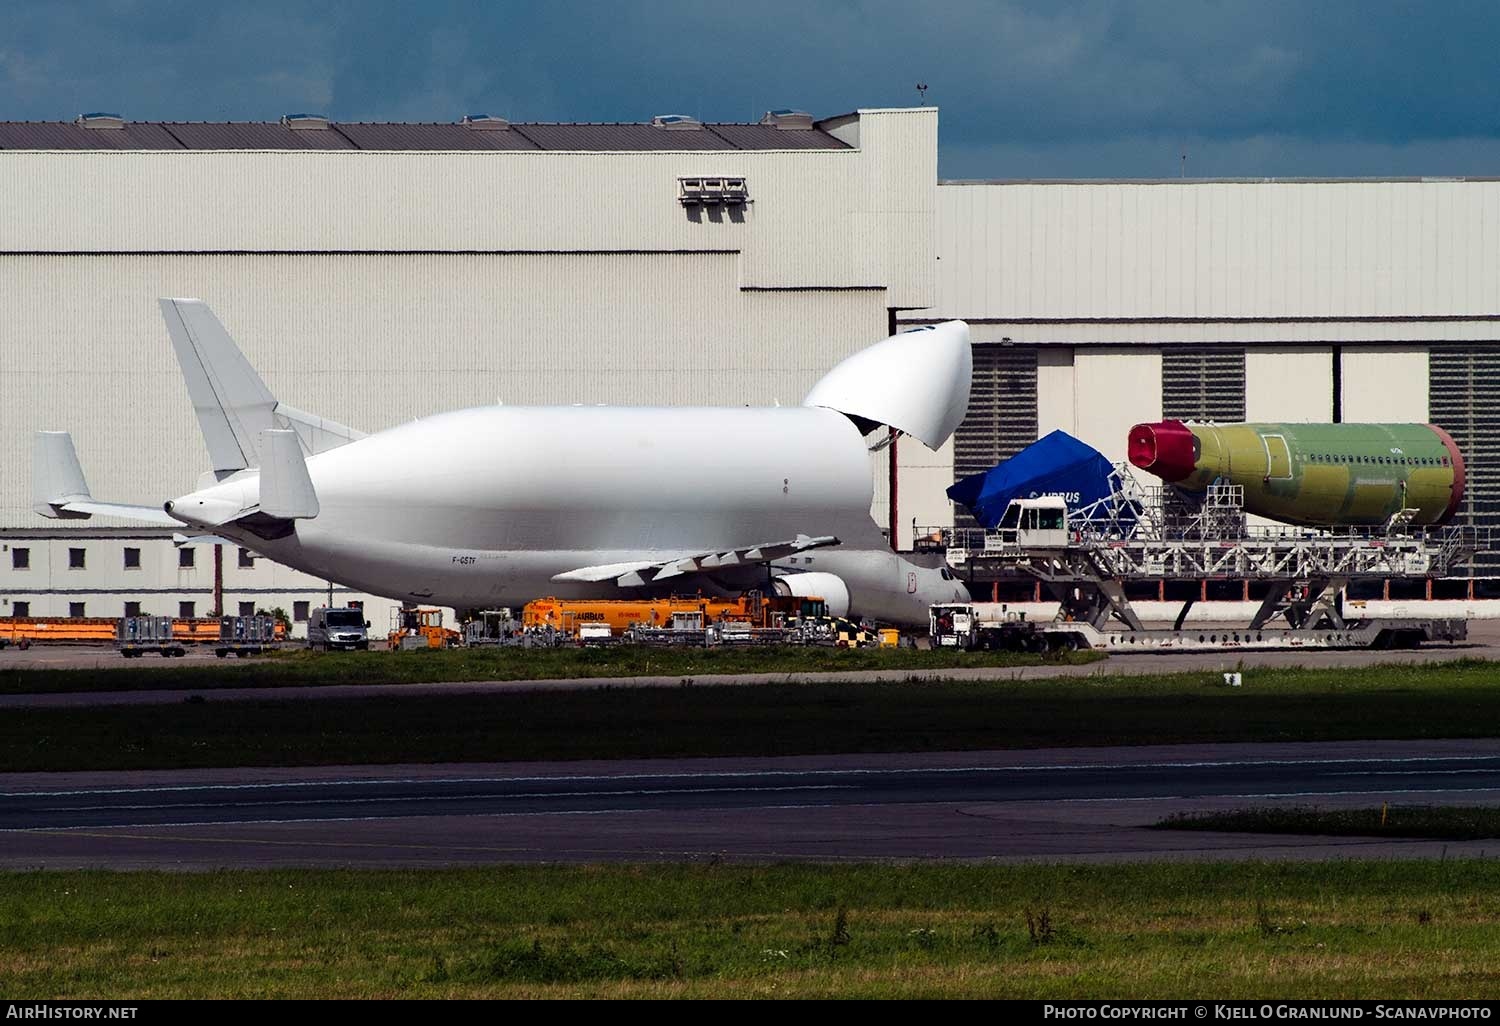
(1314, 475)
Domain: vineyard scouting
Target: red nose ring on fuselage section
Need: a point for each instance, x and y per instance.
(1164, 448)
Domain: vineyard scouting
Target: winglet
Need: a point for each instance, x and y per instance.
(59, 492)
(286, 489)
(56, 476)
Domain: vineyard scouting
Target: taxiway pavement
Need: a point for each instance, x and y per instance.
(1059, 804)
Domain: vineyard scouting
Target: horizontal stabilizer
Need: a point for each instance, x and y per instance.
(637, 574)
(317, 434)
(179, 540)
(286, 489)
(60, 492)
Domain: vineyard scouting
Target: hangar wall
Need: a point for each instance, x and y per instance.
(373, 286)
(1341, 294)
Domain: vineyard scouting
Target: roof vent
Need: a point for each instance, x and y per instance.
(676, 122)
(788, 120)
(485, 123)
(99, 120)
(306, 122)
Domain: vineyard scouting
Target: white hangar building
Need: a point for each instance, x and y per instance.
(374, 273)
(1095, 305)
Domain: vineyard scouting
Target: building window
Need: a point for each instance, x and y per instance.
(247, 560)
(132, 562)
(187, 610)
(20, 609)
(299, 612)
(132, 609)
(186, 557)
(76, 609)
(20, 559)
(247, 608)
(75, 559)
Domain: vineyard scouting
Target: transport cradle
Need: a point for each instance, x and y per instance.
(1084, 560)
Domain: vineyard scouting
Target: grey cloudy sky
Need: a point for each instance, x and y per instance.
(1091, 89)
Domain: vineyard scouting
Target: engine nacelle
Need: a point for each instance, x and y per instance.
(828, 587)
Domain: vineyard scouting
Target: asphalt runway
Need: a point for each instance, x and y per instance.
(1053, 805)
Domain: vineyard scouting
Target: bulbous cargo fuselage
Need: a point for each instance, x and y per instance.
(482, 507)
(1315, 475)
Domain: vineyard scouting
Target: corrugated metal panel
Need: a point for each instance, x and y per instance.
(902, 182)
(1203, 384)
(622, 137)
(1464, 399)
(810, 224)
(255, 135)
(432, 137)
(64, 135)
(1219, 249)
(441, 136)
(766, 137)
(1384, 384)
(820, 218)
(1198, 333)
(376, 340)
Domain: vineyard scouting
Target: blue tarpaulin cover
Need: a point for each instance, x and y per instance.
(1058, 464)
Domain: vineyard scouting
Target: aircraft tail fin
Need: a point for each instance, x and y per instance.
(233, 404)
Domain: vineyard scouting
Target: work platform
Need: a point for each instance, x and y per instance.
(1085, 559)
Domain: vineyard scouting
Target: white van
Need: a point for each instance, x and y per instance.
(337, 628)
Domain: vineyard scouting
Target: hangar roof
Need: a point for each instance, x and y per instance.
(273, 135)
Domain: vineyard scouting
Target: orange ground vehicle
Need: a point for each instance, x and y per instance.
(24, 631)
(427, 624)
(197, 629)
(567, 615)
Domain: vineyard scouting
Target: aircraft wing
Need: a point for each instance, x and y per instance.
(636, 574)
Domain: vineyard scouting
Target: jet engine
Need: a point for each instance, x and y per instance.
(828, 587)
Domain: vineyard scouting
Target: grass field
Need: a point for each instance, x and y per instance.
(1455, 700)
(1342, 929)
(301, 667)
(1437, 822)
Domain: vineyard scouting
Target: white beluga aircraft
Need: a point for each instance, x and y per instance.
(497, 505)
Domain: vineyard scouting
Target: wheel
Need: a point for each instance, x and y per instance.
(221, 652)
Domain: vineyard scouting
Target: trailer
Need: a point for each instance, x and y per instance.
(137, 635)
(243, 636)
(1084, 560)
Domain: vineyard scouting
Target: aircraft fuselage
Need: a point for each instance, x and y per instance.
(482, 508)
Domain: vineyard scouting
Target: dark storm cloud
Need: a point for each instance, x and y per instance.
(1026, 89)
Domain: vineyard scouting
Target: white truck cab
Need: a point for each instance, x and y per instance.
(1040, 523)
